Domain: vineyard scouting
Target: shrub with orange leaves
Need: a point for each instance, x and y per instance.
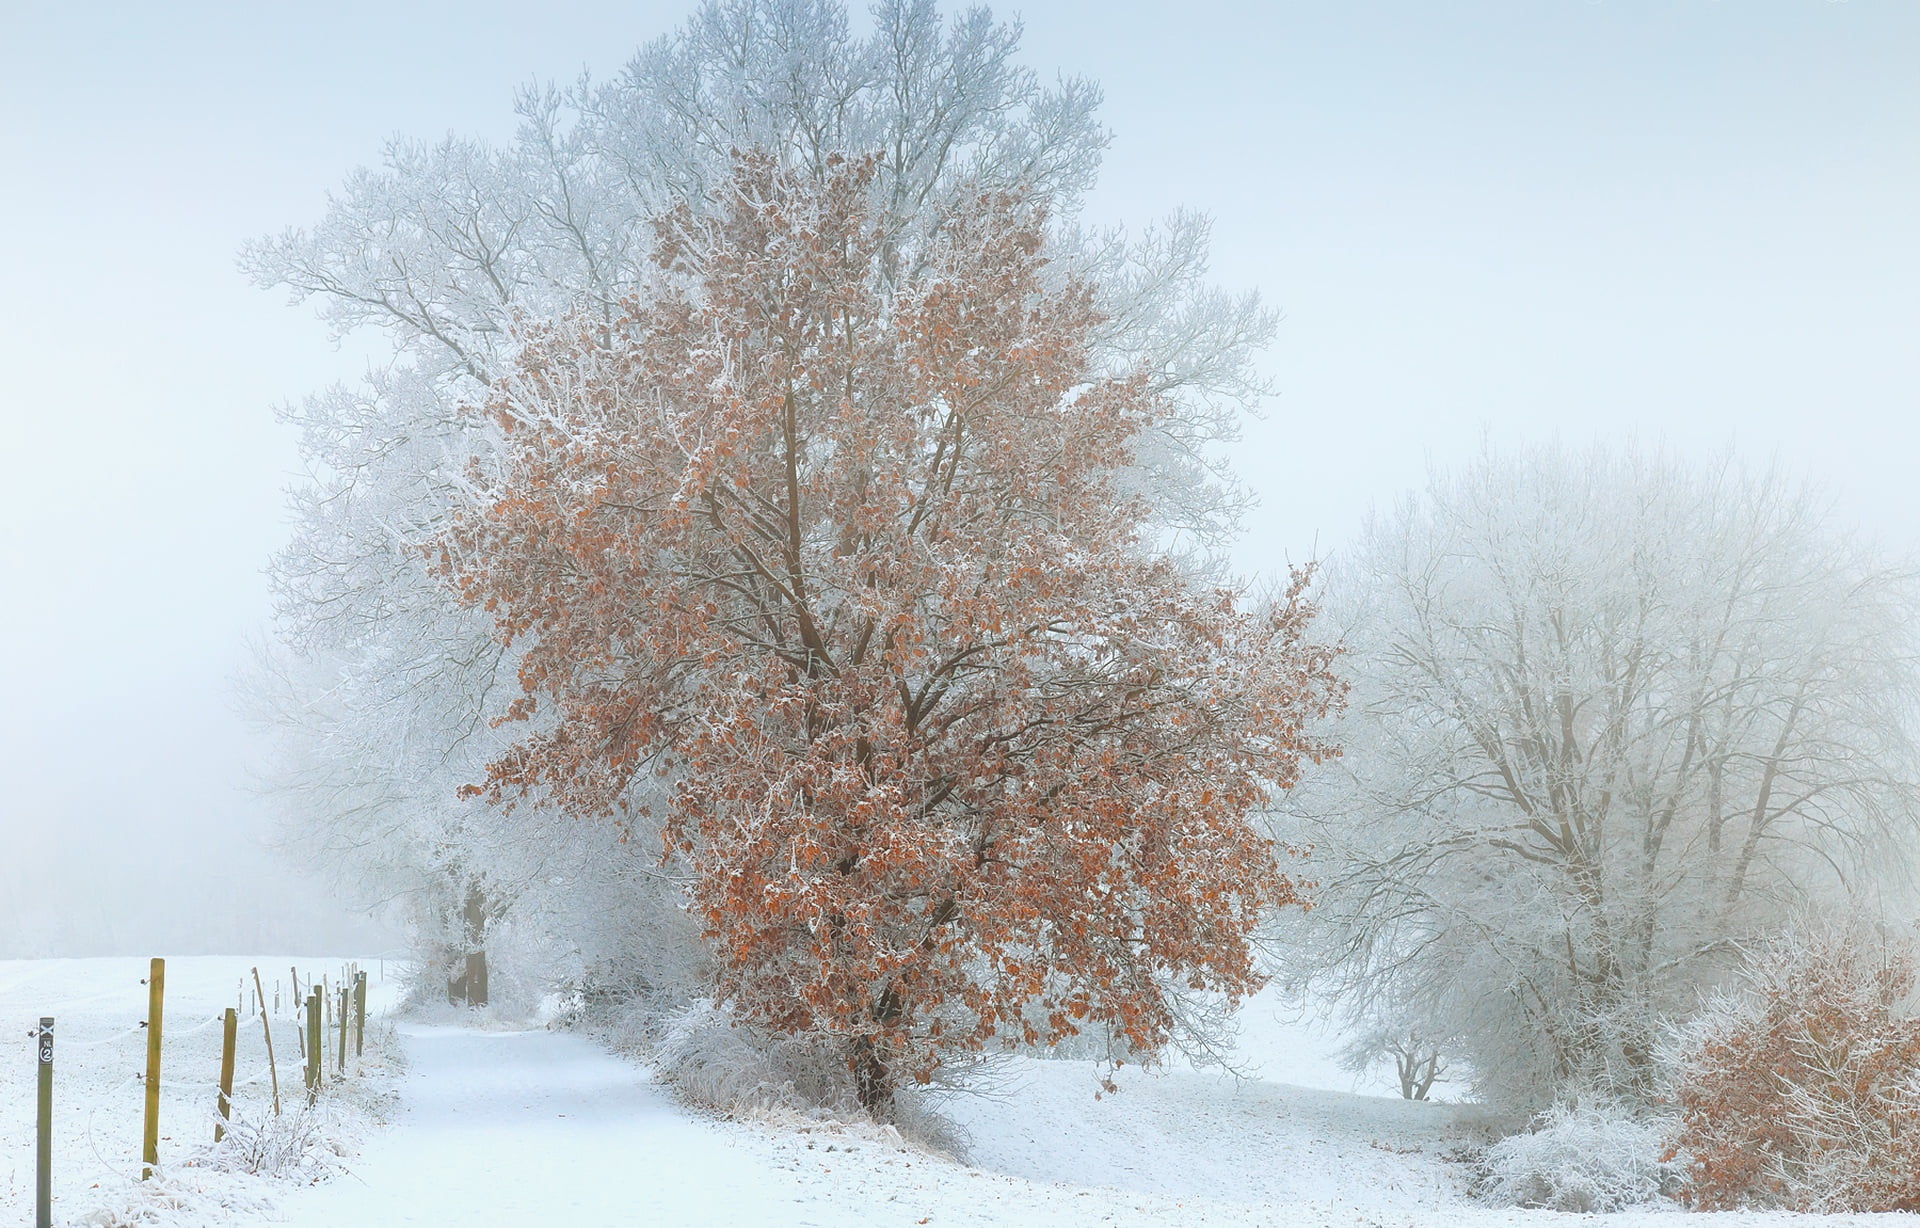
(832, 539)
(1803, 1092)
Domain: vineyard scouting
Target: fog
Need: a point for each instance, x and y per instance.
(1688, 224)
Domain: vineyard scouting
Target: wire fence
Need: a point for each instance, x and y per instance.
(280, 1046)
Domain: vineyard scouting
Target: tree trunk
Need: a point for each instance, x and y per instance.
(470, 985)
(872, 1080)
(476, 927)
(1409, 1068)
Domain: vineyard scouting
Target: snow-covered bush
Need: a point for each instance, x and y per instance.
(306, 1143)
(1587, 1157)
(1801, 1089)
(725, 1065)
(288, 1145)
(722, 1063)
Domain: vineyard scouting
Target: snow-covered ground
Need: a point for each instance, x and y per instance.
(499, 1126)
(546, 1128)
(540, 1127)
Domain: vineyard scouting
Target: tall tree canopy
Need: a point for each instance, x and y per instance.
(447, 245)
(842, 555)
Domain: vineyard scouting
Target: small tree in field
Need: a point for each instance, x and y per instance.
(843, 558)
(1803, 1092)
(1419, 1059)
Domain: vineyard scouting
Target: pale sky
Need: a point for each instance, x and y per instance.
(1689, 222)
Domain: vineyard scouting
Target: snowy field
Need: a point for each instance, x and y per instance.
(98, 1006)
(503, 1126)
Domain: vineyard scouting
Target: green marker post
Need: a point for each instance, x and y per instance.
(43, 1187)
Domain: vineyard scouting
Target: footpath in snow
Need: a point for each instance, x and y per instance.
(547, 1128)
(537, 1127)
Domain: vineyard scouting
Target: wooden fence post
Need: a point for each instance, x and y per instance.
(360, 1014)
(156, 1005)
(229, 1036)
(313, 1045)
(267, 1029)
(345, 997)
(43, 1151)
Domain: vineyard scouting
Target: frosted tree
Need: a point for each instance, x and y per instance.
(448, 247)
(840, 556)
(1610, 714)
(447, 244)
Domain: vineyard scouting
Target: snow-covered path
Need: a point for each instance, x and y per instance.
(544, 1128)
(538, 1127)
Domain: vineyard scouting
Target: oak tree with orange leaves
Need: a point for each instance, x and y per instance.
(828, 540)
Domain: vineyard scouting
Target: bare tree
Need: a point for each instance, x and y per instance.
(1610, 713)
(1419, 1058)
